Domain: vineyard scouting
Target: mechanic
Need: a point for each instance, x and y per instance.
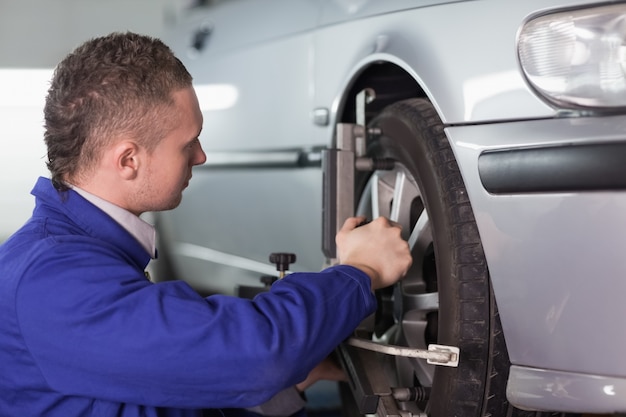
(84, 332)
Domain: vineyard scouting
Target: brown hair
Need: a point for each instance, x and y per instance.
(116, 84)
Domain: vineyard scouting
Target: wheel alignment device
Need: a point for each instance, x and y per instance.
(367, 377)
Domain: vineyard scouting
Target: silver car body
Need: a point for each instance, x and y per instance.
(281, 69)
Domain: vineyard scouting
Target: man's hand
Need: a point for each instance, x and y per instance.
(327, 370)
(376, 248)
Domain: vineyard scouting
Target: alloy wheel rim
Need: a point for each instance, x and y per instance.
(395, 194)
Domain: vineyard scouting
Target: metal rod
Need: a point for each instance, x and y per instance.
(436, 354)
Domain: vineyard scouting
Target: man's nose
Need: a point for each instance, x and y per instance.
(199, 157)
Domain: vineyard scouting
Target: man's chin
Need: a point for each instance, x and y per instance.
(170, 205)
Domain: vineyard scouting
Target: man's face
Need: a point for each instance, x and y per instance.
(168, 169)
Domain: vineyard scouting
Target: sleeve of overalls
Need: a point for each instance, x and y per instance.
(106, 332)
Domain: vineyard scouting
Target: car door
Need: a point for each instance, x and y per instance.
(259, 191)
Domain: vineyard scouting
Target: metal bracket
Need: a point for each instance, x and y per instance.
(372, 391)
(339, 165)
(368, 382)
(338, 187)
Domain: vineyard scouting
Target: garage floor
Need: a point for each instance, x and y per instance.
(323, 400)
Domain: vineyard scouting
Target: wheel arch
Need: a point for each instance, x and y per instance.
(392, 79)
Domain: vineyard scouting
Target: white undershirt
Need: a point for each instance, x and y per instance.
(144, 232)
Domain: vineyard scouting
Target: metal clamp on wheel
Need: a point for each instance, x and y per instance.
(361, 358)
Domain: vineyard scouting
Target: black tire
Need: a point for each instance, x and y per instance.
(449, 266)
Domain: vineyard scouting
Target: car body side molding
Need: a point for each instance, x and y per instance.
(259, 159)
(563, 168)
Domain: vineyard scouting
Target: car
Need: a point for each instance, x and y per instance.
(493, 132)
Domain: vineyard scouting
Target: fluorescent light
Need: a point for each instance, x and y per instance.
(216, 96)
(24, 87)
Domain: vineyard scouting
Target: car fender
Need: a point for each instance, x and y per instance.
(482, 84)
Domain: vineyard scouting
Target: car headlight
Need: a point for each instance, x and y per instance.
(577, 58)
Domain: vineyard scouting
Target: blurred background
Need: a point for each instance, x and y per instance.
(34, 36)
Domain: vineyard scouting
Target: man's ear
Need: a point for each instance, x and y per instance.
(127, 159)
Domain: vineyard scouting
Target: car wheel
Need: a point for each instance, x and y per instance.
(446, 298)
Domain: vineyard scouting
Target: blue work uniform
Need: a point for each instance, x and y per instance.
(84, 333)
